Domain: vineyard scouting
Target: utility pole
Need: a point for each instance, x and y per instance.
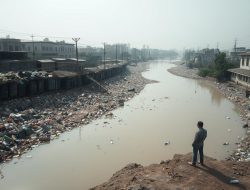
(104, 54)
(33, 49)
(115, 53)
(76, 41)
(235, 44)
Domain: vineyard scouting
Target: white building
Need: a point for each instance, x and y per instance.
(47, 49)
(242, 75)
(10, 44)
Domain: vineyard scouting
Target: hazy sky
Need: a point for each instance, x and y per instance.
(162, 24)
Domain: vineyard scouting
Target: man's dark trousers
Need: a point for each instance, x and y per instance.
(195, 152)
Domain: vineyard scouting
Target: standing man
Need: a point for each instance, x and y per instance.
(198, 144)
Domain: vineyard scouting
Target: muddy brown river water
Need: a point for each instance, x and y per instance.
(166, 111)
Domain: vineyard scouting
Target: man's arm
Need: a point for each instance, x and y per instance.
(195, 138)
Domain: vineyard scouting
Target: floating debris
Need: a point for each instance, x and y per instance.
(167, 143)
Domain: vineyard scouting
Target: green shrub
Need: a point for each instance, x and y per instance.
(203, 72)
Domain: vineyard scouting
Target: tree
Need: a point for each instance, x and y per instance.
(221, 66)
(218, 69)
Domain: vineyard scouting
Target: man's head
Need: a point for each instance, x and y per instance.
(200, 124)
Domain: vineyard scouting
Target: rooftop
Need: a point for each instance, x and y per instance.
(50, 42)
(245, 54)
(240, 71)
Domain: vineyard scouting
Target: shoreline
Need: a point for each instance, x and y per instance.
(30, 122)
(233, 93)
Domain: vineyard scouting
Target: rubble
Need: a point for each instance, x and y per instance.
(26, 123)
(178, 174)
(17, 76)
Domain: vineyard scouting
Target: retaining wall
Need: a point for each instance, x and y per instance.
(31, 87)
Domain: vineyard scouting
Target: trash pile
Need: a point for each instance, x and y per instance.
(17, 76)
(29, 122)
(243, 151)
(236, 94)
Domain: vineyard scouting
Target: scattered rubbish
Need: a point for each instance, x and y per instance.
(234, 181)
(121, 102)
(227, 117)
(229, 130)
(131, 89)
(226, 143)
(109, 115)
(167, 143)
(245, 125)
(111, 142)
(1, 174)
(28, 156)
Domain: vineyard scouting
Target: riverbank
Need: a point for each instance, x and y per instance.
(29, 122)
(234, 93)
(178, 174)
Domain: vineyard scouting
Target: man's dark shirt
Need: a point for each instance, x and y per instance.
(199, 138)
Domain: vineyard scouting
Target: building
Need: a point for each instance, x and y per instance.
(13, 55)
(47, 49)
(10, 44)
(242, 75)
(235, 55)
(206, 56)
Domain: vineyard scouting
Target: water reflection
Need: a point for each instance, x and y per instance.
(1, 173)
(216, 96)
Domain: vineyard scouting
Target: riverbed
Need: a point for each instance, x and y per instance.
(152, 126)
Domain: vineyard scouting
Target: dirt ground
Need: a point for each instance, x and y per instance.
(178, 174)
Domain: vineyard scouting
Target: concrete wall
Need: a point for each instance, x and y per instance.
(239, 79)
(26, 88)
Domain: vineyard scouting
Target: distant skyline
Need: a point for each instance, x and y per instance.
(162, 24)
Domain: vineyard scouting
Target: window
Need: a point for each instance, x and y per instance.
(43, 48)
(247, 64)
(242, 61)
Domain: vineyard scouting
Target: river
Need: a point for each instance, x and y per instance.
(166, 111)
